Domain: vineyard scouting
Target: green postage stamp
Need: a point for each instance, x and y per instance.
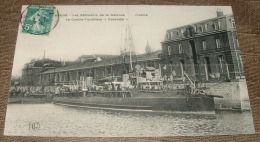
(39, 20)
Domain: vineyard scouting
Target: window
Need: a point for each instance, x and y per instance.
(201, 28)
(207, 65)
(169, 50)
(109, 71)
(180, 48)
(218, 42)
(167, 37)
(221, 63)
(215, 26)
(195, 29)
(187, 32)
(233, 23)
(178, 33)
(171, 34)
(62, 77)
(182, 32)
(218, 24)
(204, 45)
(206, 27)
(182, 64)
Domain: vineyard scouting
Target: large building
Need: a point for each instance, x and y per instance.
(31, 70)
(206, 50)
(102, 68)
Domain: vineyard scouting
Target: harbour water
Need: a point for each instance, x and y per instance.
(55, 120)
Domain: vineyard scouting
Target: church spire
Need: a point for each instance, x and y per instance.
(148, 49)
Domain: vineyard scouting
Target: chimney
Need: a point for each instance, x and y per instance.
(219, 12)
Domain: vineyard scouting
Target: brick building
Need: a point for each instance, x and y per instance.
(31, 70)
(206, 50)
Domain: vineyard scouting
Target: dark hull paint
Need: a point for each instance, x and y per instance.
(181, 104)
(28, 100)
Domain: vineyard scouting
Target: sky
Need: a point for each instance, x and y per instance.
(73, 38)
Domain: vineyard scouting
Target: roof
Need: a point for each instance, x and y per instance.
(199, 22)
(103, 56)
(43, 62)
(94, 57)
(112, 61)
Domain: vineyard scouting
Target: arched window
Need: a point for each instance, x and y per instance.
(217, 42)
(221, 62)
(180, 48)
(204, 45)
(219, 25)
(172, 34)
(169, 50)
(206, 27)
(201, 28)
(233, 23)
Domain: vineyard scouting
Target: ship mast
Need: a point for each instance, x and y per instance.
(129, 42)
(121, 48)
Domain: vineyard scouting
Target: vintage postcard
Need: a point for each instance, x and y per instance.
(127, 71)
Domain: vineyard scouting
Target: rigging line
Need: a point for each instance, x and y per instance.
(129, 42)
(127, 15)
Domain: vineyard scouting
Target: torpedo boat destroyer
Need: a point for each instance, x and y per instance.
(146, 96)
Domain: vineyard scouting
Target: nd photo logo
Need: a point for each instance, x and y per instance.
(39, 20)
(34, 125)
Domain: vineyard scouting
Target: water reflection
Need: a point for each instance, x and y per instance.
(58, 120)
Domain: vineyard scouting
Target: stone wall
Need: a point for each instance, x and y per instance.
(235, 94)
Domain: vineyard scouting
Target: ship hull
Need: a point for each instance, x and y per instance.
(199, 104)
(27, 100)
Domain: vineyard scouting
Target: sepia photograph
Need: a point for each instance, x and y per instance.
(127, 71)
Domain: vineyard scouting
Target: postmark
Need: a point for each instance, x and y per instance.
(39, 20)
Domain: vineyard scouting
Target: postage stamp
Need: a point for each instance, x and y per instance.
(39, 20)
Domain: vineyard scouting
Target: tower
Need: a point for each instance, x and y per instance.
(148, 49)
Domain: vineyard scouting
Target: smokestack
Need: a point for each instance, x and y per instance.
(219, 12)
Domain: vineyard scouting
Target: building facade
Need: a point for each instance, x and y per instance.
(31, 70)
(103, 69)
(206, 50)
